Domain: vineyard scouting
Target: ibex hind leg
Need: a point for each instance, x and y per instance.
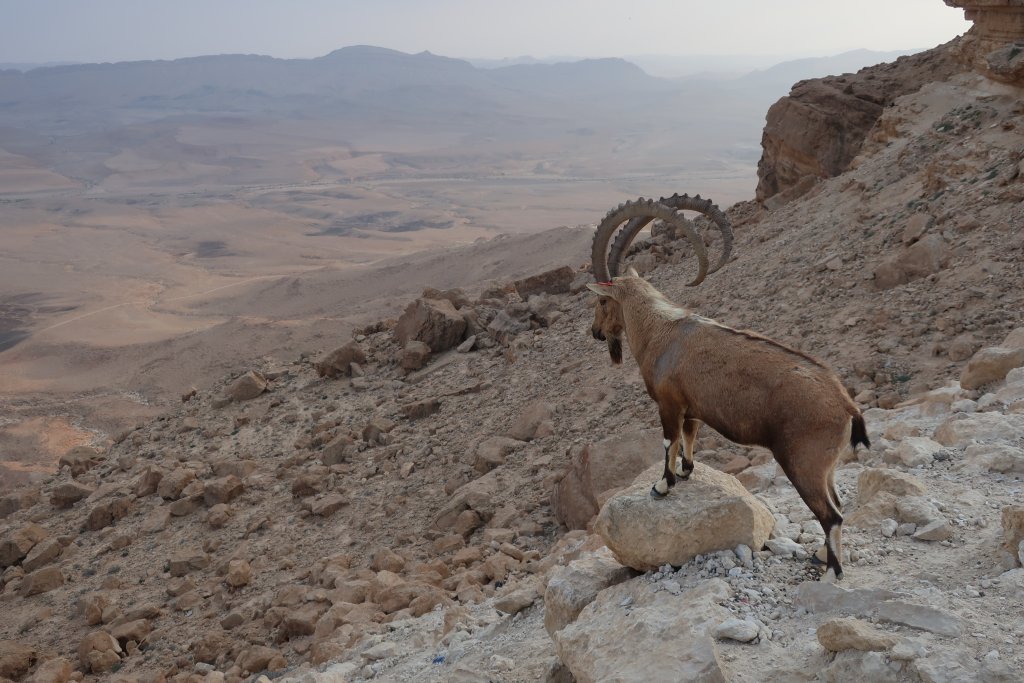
(670, 430)
(816, 491)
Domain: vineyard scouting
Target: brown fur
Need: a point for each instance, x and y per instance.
(749, 388)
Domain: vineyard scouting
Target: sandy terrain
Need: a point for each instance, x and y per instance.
(133, 261)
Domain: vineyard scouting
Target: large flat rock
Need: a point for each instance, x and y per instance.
(711, 511)
(630, 634)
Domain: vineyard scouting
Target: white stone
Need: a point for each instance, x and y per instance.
(888, 527)
(917, 509)
(785, 547)
(742, 630)
(745, 556)
(964, 405)
(915, 451)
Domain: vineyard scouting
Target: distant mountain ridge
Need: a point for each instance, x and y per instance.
(255, 83)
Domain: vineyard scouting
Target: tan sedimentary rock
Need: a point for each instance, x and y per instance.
(995, 44)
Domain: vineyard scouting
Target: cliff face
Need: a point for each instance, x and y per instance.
(817, 130)
(994, 47)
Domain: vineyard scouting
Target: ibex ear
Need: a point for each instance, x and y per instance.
(603, 289)
(632, 272)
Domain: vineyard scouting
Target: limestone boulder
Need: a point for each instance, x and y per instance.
(98, 652)
(16, 658)
(878, 491)
(80, 459)
(414, 356)
(915, 451)
(530, 423)
(171, 485)
(222, 490)
(505, 326)
(435, 322)
(239, 573)
(598, 470)
(573, 587)
(555, 281)
(990, 365)
(259, 657)
(19, 500)
(873, 481)
(42, 554)
(456, 296)
(877, 604)
(709, 512)
(961, 429)
(327, 505)
(836, 635)
(16, 545)
(922, 258)
(56, 670)
(339, 361)
(1013, 530)
(418, 410)
(67, 494)
(247, 387)
(660, 637)
(491, 452)
(107, 512)
(855, 665)
(996, 457)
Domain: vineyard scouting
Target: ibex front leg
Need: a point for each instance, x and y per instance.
(670, 430)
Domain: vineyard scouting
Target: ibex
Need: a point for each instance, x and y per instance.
(748, 388)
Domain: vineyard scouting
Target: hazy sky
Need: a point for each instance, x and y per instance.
(116, 30)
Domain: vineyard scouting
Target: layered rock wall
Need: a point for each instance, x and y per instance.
(995, 45)
(818, 129)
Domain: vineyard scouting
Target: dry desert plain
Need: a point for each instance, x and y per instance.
(166, 254)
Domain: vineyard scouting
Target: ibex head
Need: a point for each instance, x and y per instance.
(608, 321)
(608, 324)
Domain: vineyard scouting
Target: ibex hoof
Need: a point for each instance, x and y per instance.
(830, 576)
(657, 495)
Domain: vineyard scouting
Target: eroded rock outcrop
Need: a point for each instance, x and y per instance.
(995, 44)
(435, 322)
(817, 130)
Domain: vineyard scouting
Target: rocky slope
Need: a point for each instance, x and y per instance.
(397, 509)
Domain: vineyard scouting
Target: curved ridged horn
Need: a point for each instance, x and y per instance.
(678, 202)
(645, 210)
